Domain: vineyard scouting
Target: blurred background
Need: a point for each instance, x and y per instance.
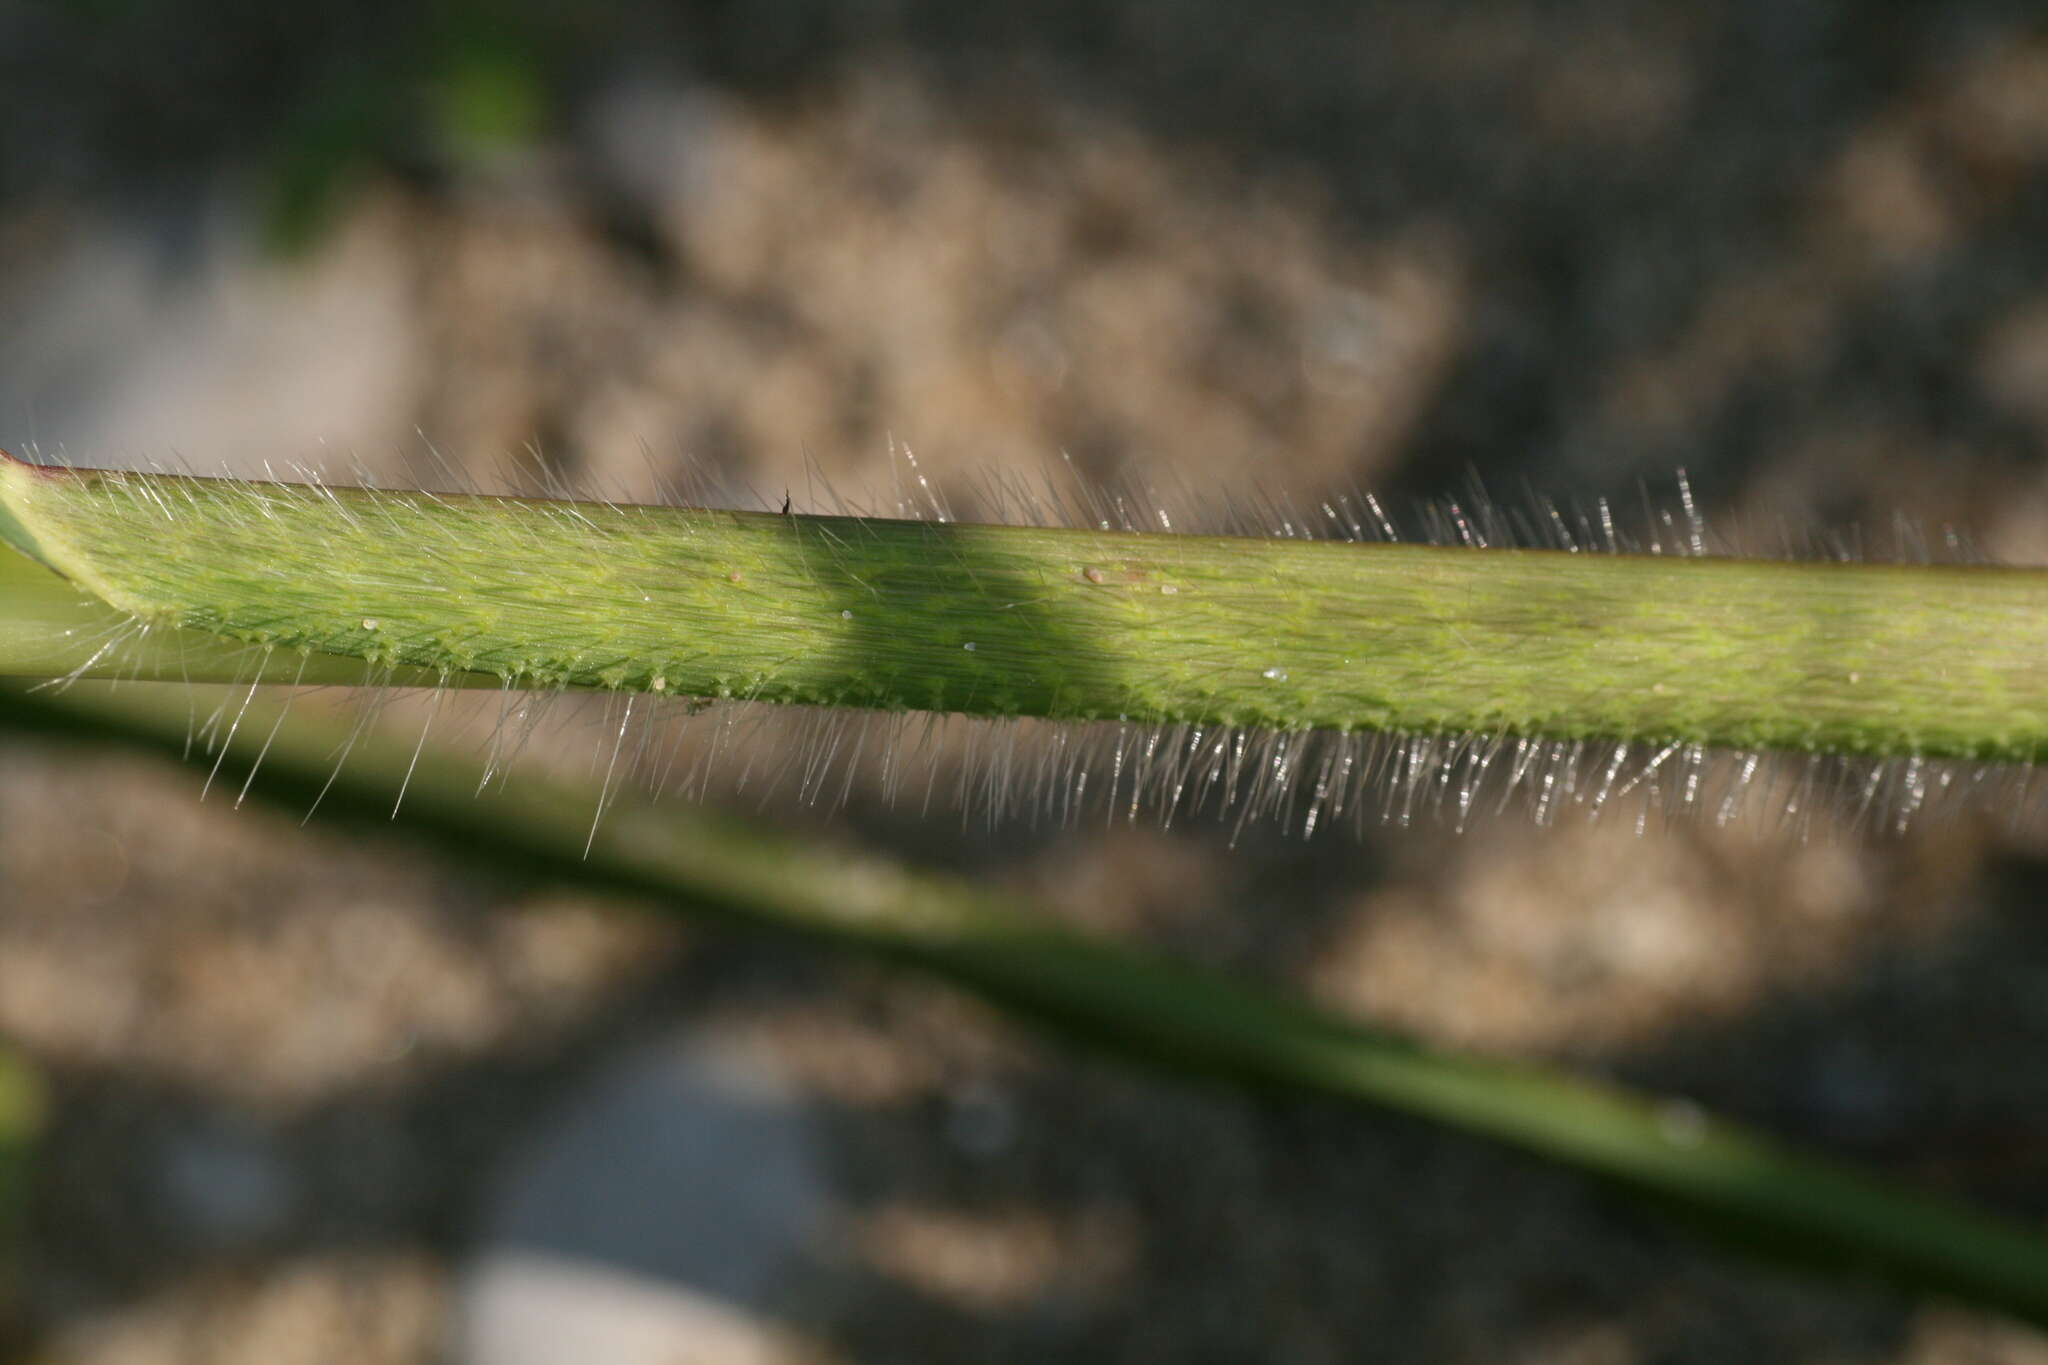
(322, 1098)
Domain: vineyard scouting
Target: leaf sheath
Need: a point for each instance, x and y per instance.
(1880, 660)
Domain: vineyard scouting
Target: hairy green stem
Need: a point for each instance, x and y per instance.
(1163, 1014)
(1007, 621)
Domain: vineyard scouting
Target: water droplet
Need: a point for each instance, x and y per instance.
(969, 646)
(846, 615)
(1275, 675)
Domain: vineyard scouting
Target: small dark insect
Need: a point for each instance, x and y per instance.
(785, 502)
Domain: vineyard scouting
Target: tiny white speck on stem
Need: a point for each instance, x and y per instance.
(1682, 1123)
(1274, 675)
(969, 646)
